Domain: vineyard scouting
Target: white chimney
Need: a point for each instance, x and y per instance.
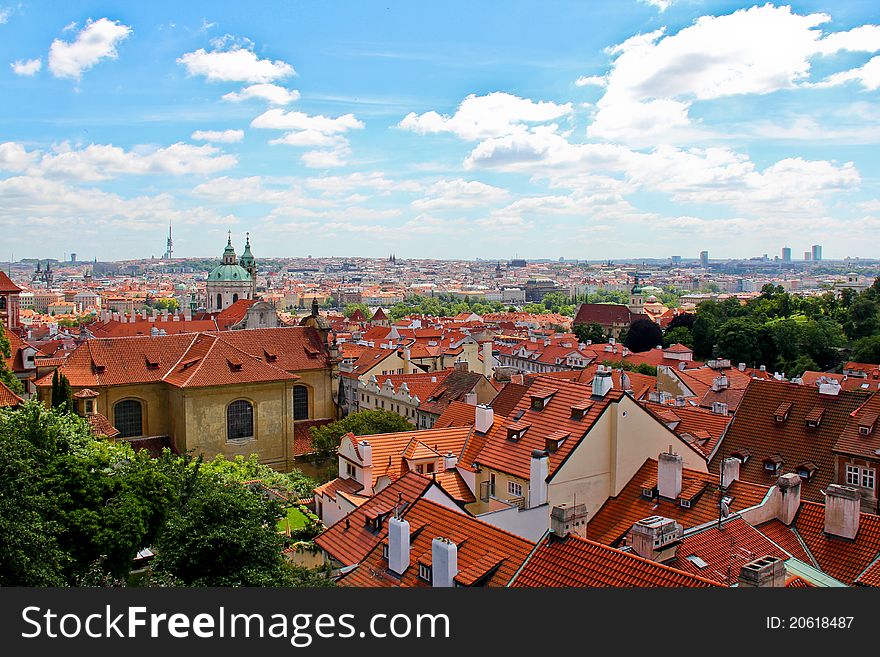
(842, 510)
(539, 469)
(470, 398)
(407, 363)
(398, 545)
(656, 538)
(602, 382)
(669, 468)
(483, 418)
(366, 452)
(444, 563)
(449, 461)
(488, 360)
(741, 367)
(790, 497)
(730, 471)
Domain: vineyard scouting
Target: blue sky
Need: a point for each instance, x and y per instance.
(634, 128)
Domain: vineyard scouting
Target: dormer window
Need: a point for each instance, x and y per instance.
(684, 504)
(578, 411)
(743, 455)
(540, 399)
(807, 470)
(782, 412)
(773, 464)
(385, 551)
(814, 417)
(515, 431)
(425, 572)
(554, 440)
(866, 424)
(649, 493)
(350, 470)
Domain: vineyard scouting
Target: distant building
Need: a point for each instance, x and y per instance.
(232, 279)
(676, 260)
(817, 252)
(9, 303)
(807, 256)
(786, 254)
(704, 259)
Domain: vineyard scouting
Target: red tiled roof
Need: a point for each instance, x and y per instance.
(724, 551)
(349, 541)
(453, 387)
(575, 562)
(457, 414)
(6, 284)
(8, 398)
(755, 428)
(101, 426)
(506, 400)
(116, 329)
(700, 427)
(420, 385)
(455, 486)
(871, 576)
(851, 441)
(487, 556)
(785, 538)
(843, 559)
(605, 314)
(615, 518)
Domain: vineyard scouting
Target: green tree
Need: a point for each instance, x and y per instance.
(223, 534)
(643, 335)
(863, 318)
(592, 332)
(351, 308)
(62, 396)
(798, 366)
(326, 439)
(294, 484)
(866, 350)
(703, 332)
(679, 335)
(739, 339)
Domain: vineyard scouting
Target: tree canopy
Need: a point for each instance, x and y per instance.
(325, 439)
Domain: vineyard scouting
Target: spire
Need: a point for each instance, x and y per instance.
(229, 257)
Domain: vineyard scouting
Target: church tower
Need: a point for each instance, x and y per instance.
(637, 298)
(229, 281)
(250, 264)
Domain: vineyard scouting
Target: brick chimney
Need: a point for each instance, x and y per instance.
(762, 573)
(656, 538)
(842, 506)
(669, 468)
(568, 519)
(730, 471)
(444, 563)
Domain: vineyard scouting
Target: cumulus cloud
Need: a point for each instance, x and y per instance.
(750, 51)
(660, 5)
(218, 136)
(96, 41)
(459, 194)
(14, 157)
(591, 81)
(868, 76)
(482, 117)
(306, 130)
(234, 63)
(26, 67)
(4, 14)
(271, 93)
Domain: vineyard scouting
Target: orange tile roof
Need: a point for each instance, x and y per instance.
(116, 329)
(457, 414)
(615, 518)
(871, 576)
(350, 540)
(843, 559)
(487, 556)
(754, 428)
(455, 486)
(724, 551)
(575, 562)
(698, 426)
(785, 538)
(6, 284)
(420, 385)
(851, 441)
(101, 426)
(8, 398)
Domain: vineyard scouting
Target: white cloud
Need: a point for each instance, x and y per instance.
(218, 136)
(4, 14)
(482, 117)
(96, 41)
(326, 159)
(591, 80)
(751, 51)
(271, 93)
(105, 161)
(27, 67)
(277, 119)
(238, 64)
(374, 181)
(660, 5)
(868, 76)
(459, 194)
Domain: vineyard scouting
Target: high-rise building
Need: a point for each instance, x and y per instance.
(704, 259)
(676, 261)
(807, 256)
(817, 252)
(786, 254)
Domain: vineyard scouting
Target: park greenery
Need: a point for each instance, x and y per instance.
(325, 439)
(76, 510)
(786, 333)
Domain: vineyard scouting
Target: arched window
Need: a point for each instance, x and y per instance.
(300, 403)
(219, 301)
(235, 297)
(128, 418)
(2, 303)
(240, 420)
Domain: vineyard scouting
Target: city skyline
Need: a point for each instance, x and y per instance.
(440, 133)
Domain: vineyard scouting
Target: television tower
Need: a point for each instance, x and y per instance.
(169, 246)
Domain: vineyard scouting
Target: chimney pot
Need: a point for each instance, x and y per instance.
(842, 507)
(762, 573)
(669, 470)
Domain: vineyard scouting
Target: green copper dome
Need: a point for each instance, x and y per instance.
(229, 273)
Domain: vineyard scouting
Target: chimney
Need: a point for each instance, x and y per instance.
(762, 573)
(602, 382)
(625, 382)
(407, 363)
(470, 398)
(488, 360)
(568, 519)
(790, 497)
(366, 451)
(730, 471)
(656, 538)
(669, 468)
(483, 418)
(741, 367)
(539, 469)
(444, 563)
(398, 545)
(449, 461)
(842, 511)
(461, 366)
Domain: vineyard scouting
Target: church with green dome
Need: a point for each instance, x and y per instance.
(234, 279)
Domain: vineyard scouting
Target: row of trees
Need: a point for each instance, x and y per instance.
(75, 510)
(785, 332)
